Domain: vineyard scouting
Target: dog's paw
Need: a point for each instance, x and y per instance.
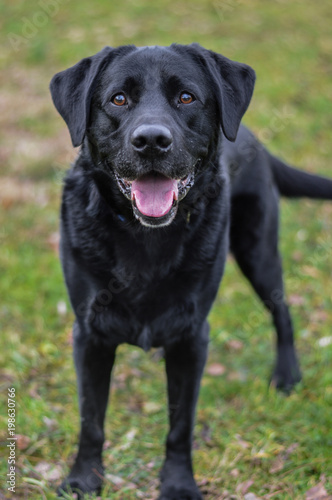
(82, 480)
(178, 483)
(175, 493)
(286, 373)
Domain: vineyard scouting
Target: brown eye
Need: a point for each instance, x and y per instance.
(186, 98)
(119, 100)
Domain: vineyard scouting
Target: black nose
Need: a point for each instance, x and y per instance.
(152, 139)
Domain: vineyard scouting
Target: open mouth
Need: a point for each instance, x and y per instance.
(155, 197)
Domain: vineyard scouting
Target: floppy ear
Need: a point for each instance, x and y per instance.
(72, 89)
(235, 86)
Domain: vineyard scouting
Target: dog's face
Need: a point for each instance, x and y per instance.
(151, 119)
(151, 116)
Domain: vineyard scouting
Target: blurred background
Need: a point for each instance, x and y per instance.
(249, 442)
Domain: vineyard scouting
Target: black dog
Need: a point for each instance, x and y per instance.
(165, 184)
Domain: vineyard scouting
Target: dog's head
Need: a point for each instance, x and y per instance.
(151, 117)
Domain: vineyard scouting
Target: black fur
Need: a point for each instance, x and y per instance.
(151, 281)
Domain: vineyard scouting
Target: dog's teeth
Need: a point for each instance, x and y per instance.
(184, 181)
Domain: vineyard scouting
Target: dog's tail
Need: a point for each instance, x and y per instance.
(294, 183)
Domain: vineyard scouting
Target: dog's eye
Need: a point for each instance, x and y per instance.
(119, 100)
(186, 98)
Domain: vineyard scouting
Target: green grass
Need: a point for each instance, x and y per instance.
(247, 438)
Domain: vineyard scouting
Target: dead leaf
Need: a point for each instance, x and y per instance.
(297, 255)
(206, 433)
(61, 308)
(150, 407)
(216, 369)
(22, 441)
(50, 423)
(244, 444)
(319, 316)
(317, 492)
(119, 482)
(107, 445)
(310, 271)
(33, 392)
(236, 376)
(244, 487)
(291, 448)
(69, 336)
(128, 438)
(325, 341)
(280, 461)
(53, 242)
(250, 496)
(48, 471)
(277, 465)
(42, 467)
(54, 474)
(296, 300)
(234, 345)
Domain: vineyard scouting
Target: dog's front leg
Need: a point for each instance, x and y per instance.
(94, 362)
(184, 366)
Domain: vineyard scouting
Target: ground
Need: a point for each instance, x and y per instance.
(250, 442)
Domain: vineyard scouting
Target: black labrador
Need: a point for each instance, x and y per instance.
(166, 182)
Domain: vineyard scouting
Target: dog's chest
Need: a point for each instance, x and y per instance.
(152, 294)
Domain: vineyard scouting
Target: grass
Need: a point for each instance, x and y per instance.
(247, 439)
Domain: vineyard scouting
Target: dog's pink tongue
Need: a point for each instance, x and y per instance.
(154, 194)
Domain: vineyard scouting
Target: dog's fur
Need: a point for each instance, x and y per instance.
(172, 115)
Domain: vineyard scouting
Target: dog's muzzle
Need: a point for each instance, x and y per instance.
(155, 197)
